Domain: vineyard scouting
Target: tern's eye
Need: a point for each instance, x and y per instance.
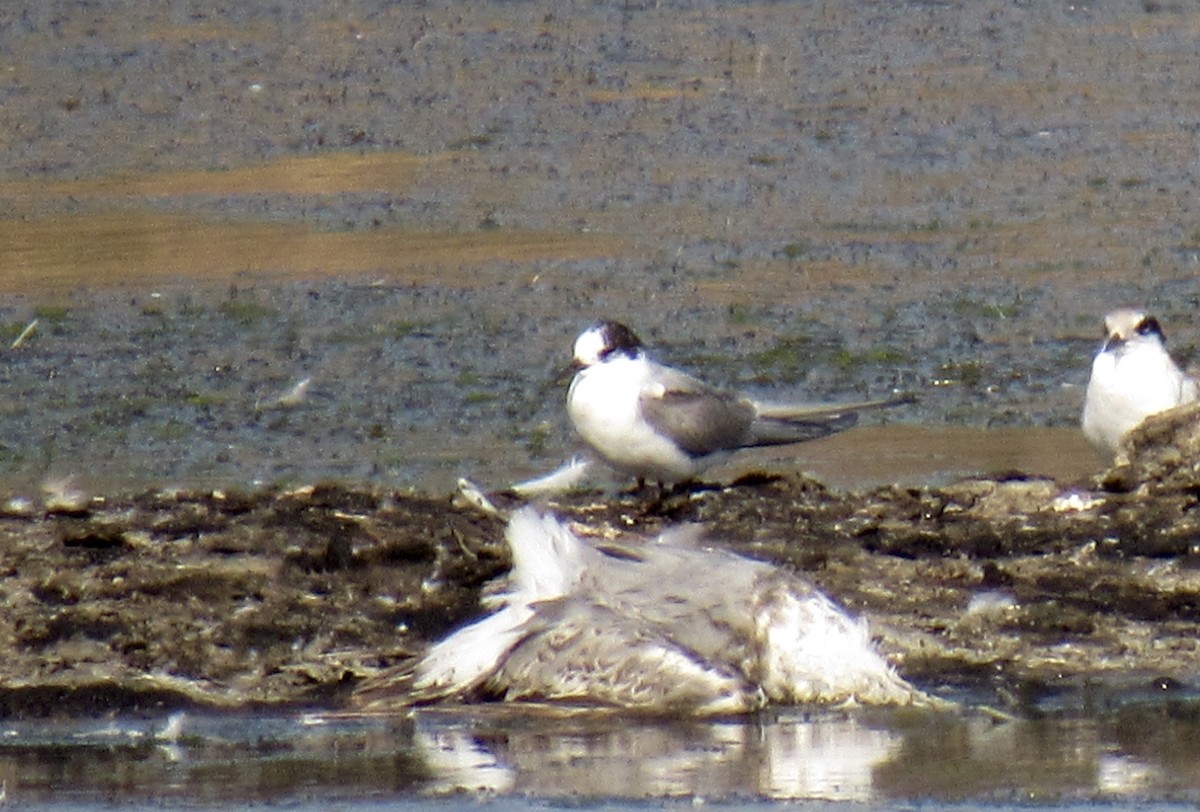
(1148, 326)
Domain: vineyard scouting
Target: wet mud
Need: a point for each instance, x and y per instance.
(414, 208)
(1014, 591)
(350, 243)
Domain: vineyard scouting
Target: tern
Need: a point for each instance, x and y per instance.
(1133, 377)
(655, 422)
(646, 626)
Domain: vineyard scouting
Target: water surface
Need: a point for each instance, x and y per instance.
(1131, 753)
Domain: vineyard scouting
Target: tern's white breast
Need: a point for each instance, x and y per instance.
(603, 404)
(1128, 386)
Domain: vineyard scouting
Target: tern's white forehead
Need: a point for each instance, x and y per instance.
(602, 340)
(591, 346)
(1125, 323)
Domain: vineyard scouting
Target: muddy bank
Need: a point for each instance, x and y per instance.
(1011, 590)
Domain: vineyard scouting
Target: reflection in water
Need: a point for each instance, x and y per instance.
(869, 756)
(785, 759)
(795, 756)
(459, 762)
(1122, 775)
(834, 761)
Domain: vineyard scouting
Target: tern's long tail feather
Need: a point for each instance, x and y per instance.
(780, 423)
(816, 411)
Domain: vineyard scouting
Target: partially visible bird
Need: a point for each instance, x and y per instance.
(657, 423)
(1133, 377)
(668, 626)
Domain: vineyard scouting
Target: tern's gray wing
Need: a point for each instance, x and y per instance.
(698, 418)
(646, 626)
(780, 431)
(668, 585)
(580, 650)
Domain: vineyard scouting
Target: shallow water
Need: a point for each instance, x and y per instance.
(354, 242)
(415, 210)
(1132, 753)
(413, 387)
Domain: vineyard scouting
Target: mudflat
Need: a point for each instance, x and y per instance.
(296, 270)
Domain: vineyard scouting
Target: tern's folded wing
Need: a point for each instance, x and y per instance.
(587, 653)
(698, 418)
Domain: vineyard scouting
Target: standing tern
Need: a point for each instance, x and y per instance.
(657, 423)
(1133, 377)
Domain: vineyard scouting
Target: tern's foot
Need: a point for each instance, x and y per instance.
(659, 499)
